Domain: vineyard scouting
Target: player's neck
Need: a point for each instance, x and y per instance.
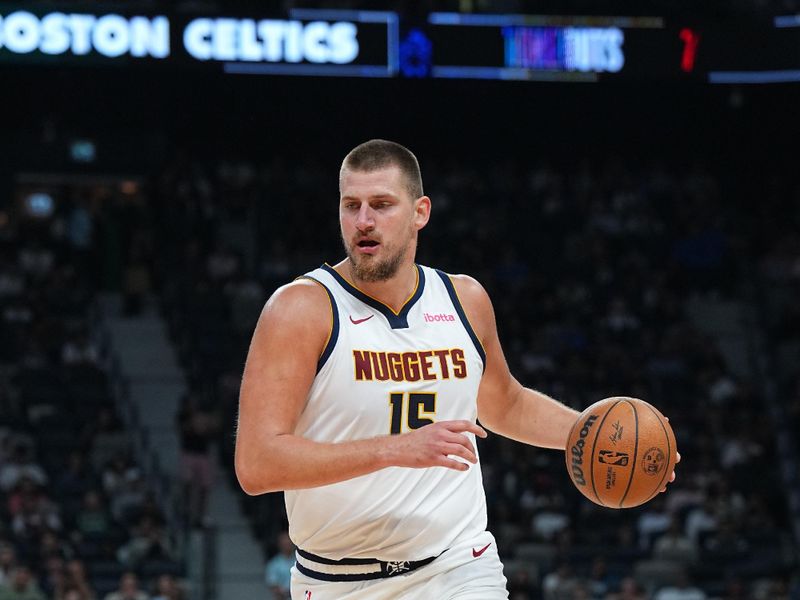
(393, 292)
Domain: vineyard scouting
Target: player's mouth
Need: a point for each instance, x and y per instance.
(367, 246)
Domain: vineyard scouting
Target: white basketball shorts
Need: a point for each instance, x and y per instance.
(470, 570)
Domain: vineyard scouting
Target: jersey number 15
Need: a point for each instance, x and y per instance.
(420, 407)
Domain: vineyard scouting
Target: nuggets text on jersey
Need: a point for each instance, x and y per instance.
(426, 365)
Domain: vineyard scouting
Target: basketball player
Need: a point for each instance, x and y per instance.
(360, 396)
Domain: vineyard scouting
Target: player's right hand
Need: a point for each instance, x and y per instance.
(436, 445)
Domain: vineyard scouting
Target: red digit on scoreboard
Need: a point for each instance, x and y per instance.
(690, 39)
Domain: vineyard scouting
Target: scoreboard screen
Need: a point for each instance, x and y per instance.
(354, 43)
(558, 48)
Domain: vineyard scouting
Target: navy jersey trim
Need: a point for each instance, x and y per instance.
(334, 334)
(451, 291)
(397, 320)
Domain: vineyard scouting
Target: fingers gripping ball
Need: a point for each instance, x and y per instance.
(620, 452)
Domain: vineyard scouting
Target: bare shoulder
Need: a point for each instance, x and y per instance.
(470, 291)
(301, 306)
(301, 293)
(475, 300)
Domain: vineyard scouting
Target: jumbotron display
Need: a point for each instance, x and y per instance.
(353, 43)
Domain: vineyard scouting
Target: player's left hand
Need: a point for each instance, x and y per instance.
(677, 460)
(672, 477)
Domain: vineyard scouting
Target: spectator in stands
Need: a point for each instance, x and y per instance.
(77, 581)
(682, 590)
(276, 266)
(128, 589)
(246, 297)
(167, 588)
(36, 514)
(36, 259)
(75, 478)
(599, 581)
(222, 265)
(12, 283)
(629, 589)
(117, 473)
(735, 589)
(124, 485)
(148, 507)
(8, 562)
(74, 594)
(675, 545)
(701, 520)
(739, 449)
(108, 439)
(653, 521)
(520, 584)
(771, 588)
(80, 350)
(148, 541)
(22, 586)
(52, 546)
(21, 464)
(25, 490)
(548, 522)
(93, 519)
(560, 584)
(198, 428)
(53, 579)
(726, 542)
(278, 572)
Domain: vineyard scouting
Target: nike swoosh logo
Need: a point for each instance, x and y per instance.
(477, 553)
(357, 321)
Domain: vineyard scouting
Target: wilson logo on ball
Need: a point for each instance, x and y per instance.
(577, 452)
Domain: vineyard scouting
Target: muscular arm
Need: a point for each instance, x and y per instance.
(281, 365)
(504, 405)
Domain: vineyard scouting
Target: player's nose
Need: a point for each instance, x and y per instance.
(365, 220)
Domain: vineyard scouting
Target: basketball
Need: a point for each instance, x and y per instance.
(620, 452)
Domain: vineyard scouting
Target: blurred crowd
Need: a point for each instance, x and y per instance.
(79, 517)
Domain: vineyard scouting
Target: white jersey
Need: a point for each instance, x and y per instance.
(382, 373)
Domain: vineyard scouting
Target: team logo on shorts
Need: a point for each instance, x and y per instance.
(400, 566)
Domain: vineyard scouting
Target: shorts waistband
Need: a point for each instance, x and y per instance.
(354, 569)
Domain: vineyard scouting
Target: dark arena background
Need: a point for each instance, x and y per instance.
(621, 176)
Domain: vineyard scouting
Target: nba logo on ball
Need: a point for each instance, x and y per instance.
(653, 461)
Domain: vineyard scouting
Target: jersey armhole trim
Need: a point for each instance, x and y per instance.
(333, 334)
(451, 291)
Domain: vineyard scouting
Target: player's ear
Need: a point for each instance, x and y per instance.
(422, 211)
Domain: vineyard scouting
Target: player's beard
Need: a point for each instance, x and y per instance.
(370, 269)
